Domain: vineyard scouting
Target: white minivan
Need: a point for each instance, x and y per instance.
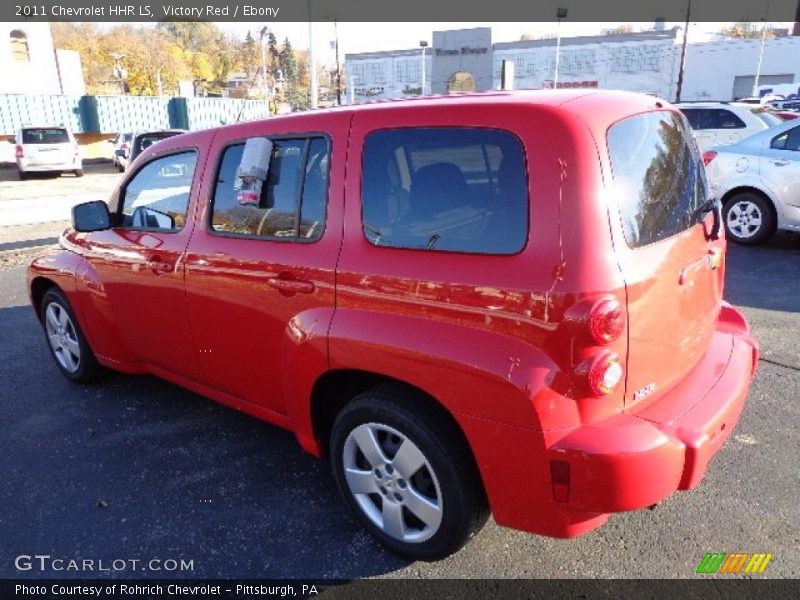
(720, 123)
(47, 149)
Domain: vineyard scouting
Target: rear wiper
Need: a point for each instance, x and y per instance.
(711, 205)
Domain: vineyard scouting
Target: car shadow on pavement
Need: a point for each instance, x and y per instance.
(757, 276)
(9, 172)
(134, 467)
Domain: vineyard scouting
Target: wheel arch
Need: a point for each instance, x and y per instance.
(38, 288)
(733, 192)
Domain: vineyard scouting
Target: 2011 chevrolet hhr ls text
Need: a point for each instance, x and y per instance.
(502, 302)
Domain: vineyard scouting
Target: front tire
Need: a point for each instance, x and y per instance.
(749, 219)
(66, 341)
(406, 472)
(78, 172)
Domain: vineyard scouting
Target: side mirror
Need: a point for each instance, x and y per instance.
(91, 216)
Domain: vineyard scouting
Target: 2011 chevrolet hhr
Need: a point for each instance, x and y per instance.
(505, 302)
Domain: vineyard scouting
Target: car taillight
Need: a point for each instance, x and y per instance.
(708, 157)
(606, 321)
(604, 374)
(19, 152)
(124, 146)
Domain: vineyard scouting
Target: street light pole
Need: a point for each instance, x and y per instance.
(561, 13)
(761, 51)
(338, 71)
(423, 44)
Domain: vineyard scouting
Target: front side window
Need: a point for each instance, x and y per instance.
(291, 204)
(453, 189)
(658, 176)
(788, 140)
(157, 197)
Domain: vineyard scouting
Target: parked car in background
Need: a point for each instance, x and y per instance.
(140, 141)
(758, 182)
(719, 123)
(120, 144)
(448, 298)
(49, 149)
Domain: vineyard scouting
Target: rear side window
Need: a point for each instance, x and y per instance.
(658, 176)
(788, 140)
(452, 189)
(143, 142)
(45, 136)
(292, 202)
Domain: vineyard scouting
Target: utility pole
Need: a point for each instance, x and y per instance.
(312, 61)
(264, 84)
(679, 88)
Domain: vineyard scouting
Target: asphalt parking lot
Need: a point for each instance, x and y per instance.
(134, 467)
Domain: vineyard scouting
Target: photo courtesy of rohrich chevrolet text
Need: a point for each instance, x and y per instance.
(331, 299)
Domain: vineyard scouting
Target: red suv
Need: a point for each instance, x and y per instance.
(505, 301)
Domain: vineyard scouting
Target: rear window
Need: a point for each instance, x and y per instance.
(143, 142)
(712, 118)
(658, 176)
(452, 189)
(768, 118)
(45, 136)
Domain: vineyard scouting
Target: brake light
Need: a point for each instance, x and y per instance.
(19, 152)
(708, 157)
(604, 374)
(124, 146)
(606, 321)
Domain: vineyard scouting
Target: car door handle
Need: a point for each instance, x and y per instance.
(158, 267)
(780, 163)
(291, 286)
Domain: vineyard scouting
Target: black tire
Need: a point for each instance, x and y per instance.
(463, 508)
(741, 210)
(88, 369)
(78, 172)
(22, 175)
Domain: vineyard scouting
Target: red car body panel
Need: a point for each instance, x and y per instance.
(499, 341)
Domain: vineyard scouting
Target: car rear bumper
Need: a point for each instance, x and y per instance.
(566, 482)
(30, 167)
(639, 457)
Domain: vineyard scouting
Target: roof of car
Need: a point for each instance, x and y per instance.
(594, 107)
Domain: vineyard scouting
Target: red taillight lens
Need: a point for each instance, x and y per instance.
(708, 157)
(606, 321)
(604, 374)
(18, 152)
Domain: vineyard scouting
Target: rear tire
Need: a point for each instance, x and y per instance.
(749, 219)
(78, 172)
(407, 473)
(22, 175)
(68, 346)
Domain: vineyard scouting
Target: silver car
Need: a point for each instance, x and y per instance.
(758, 182)
(47, 149)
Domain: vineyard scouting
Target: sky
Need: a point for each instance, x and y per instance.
(369, 37)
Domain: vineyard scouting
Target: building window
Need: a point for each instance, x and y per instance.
(407, 71)
(632, 59)
(577, 62)
(19, 46)
(376, 72)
